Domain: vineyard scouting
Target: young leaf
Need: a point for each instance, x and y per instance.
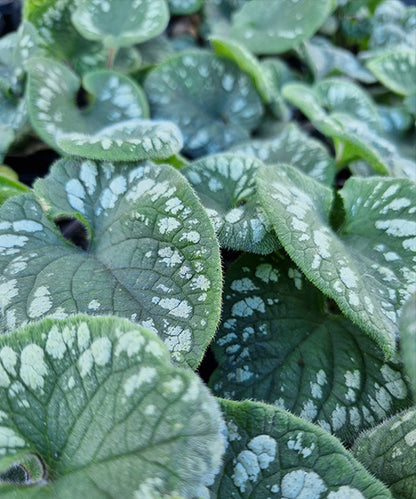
(408, 339)
(273, 454)
(98, 401)
(389, 452)
(230, 49)
(368, 267)
(396, 69)
(120, 23)
(273, 27)
(225, 184)
(151, 253)
(278, 344)
(295, 147)
(111, 128)
(213, 102)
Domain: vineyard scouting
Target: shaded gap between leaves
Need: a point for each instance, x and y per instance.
(74, 231)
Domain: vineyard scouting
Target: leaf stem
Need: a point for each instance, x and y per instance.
(111, 55)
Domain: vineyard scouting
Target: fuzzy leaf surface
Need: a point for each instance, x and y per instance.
(151, 254)
(273, 27)
(213, 102)
(120, 23)
(359, 267)
(114, 127)
(272, 453)
(225, 184)
(277, 343)
(389, 452)
(97, 399)
(295, 147)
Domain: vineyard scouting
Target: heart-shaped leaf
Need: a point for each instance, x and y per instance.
(120, 23)
(98, 401)
(273, 27)
(354, 124)
(389, 452)
(59, 37)
(236, 52)
(396, 69)
(272, 453)
(368, 268)
(213, 102)
(112, 127)
(408, 339)
(295, 147)
(325, 58)
(225, 184)
(277, 343)
(151, 253)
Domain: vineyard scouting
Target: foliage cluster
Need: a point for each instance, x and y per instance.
(236, 178)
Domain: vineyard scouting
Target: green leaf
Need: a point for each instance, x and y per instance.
(120, 23)
(368, 267)
(279, 344)
(14, 119)
(97, 399)
(272, 453)
(277, 73)
(212, 101)
(245, 60)
(295, 147)
(9, 187)
(396, 70)
(16, 49)
(353, 123)
(325, 58)
(408, 339)
(184, 7)
(273, 27)
(389, 452)
(58, 36)
(225, 184)
(9, 173)
(151, 253)
(7, 136)
(112, 127)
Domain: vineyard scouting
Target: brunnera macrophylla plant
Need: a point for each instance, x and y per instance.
(241, 180)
